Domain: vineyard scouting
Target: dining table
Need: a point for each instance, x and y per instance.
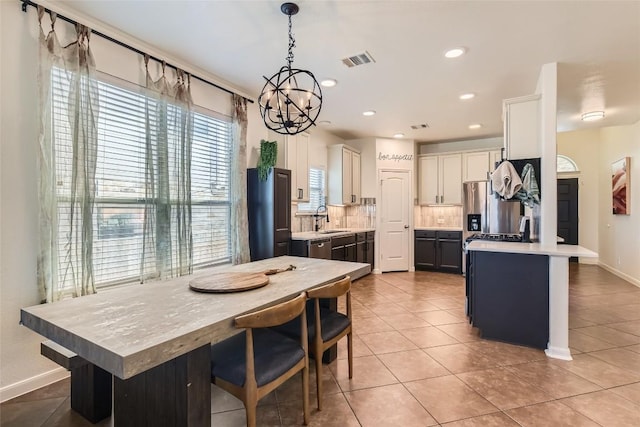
(155, 338)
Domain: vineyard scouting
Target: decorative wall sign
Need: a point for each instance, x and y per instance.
(395, 157)
(621, 186)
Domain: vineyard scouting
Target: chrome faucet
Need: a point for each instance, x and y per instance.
(317, 216)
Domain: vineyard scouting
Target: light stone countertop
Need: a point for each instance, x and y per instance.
(130, 329)
(439, 228)
(530, 248)
(313, 235)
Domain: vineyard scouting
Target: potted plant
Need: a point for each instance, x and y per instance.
(267, 159)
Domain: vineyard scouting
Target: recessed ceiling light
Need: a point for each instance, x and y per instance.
(466, 96)
(329, 82)
(369, 113)
(475, 126)
(593, 115)
(324, 123)
(398, 135)
(455, 52)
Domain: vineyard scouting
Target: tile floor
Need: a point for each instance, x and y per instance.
(418, 363)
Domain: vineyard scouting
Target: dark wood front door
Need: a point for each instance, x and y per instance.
(568, 211)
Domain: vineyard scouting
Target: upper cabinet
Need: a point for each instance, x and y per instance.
(344, 175)
(477, 165)
(522, 127)
(293, 154)
(440, 179)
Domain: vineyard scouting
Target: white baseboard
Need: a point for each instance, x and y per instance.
(592, 261)
(620, 274)
(33, 383)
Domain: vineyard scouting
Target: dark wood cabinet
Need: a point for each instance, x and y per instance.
(508, 296)
(369, 247)
(269, 208)
(343, 248)
(361, 241)
(438, 250)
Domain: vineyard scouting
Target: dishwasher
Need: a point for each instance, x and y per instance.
(320, 248)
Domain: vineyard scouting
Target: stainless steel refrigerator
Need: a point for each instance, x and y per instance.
(484, 212)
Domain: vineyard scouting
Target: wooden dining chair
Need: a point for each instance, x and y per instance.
(255, 362)
(325, 327)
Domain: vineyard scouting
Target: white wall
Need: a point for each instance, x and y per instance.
(619, 235)
(21, 366)
(582, 147)
(462, 145)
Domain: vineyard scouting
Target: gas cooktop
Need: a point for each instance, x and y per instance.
(500, 237)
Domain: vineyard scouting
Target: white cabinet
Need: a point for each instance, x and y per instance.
(440, 179)
(495, 156)
(475, 166)
(344, 175)
(293, 154)
(522, 127)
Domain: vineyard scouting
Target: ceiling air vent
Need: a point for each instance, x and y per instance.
(359, 59)
(420, 126)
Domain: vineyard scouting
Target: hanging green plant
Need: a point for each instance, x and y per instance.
(268, 158)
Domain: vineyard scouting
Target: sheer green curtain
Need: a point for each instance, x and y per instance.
(168, 242)
(66, 188)
(239, 216)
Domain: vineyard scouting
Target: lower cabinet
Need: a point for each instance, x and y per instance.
(343, 248)
(438, 250)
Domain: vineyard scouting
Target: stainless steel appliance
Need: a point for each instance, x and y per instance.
(320, 249)
(484, 213)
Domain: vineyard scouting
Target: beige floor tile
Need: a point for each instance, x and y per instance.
(504, 354)
(630, 392)
(359, 348)
(459, 358)
(586, 343)
(369, 325)
(404, 321)
(463, 332)
(549, 414)
(610, 335)
(387, 342)
(385, 308)
(632, 327)
(449, 399)
(620, 357)
(368, 372)
(440, 317)
(336, 413)
(418, 305)
(497, 419)
(553, 380)
(221, 401)
(597, 371)
(447, 303)
(379, 406)
(503, 388)
(65, 417)
(29, 413)
(428, 337)
(606, 408)
(291, 391)
(412, 365)
(634, 348)
(577, 322)
(266, 415)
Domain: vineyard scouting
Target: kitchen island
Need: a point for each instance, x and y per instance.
(519, 292)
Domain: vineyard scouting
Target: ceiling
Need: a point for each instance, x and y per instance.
(596, 43)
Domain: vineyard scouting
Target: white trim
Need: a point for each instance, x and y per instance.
(33, 383)
(592, 261)
(620, 274)
(568, 175)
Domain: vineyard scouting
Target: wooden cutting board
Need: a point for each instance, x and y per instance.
(233, 282)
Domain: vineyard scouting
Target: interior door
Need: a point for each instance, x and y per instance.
(395, 202)
(568, 211)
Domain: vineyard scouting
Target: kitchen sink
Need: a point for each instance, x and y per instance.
(332, 231)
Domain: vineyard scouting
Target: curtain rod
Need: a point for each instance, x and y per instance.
(26, 3)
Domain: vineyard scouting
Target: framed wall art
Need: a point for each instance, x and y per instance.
(621, 186)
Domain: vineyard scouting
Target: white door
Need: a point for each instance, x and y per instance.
(395, 194)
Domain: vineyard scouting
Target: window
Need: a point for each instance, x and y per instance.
(566, 164)
(316, 191)
(118, 215)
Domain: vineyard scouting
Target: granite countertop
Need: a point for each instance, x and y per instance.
(439, 228)
(313, 235)
(530, 248)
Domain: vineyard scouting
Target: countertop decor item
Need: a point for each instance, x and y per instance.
(291, 99)
(267, 159)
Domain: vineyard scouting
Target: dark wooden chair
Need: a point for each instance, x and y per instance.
(325, 327)
(255, 362)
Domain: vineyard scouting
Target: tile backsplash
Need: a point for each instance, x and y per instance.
(360, 216)
(437, 216)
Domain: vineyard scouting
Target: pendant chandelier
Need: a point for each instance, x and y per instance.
(291, 99)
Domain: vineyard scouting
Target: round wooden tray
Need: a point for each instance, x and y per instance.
(229, 282)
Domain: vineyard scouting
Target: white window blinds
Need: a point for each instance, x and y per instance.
(316, 191)
(120, 181)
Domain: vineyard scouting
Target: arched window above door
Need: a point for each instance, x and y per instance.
(566, 164)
